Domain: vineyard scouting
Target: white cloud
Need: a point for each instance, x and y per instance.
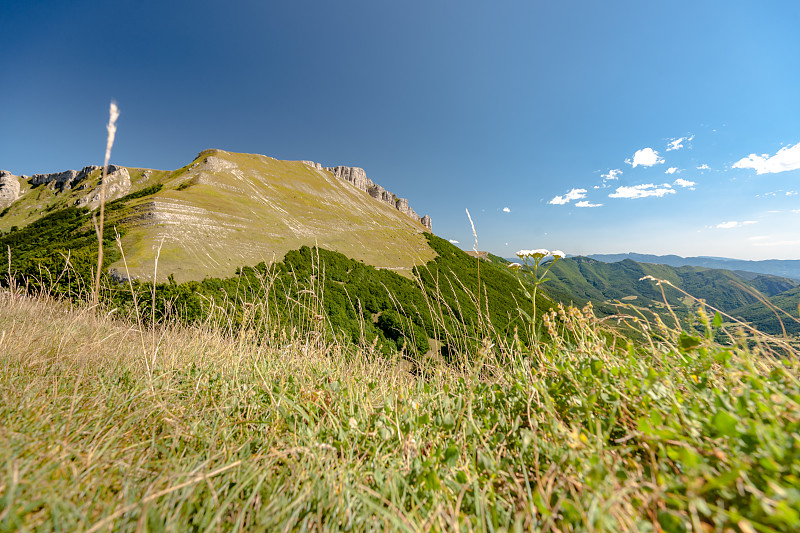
(453, 241)
(684, 183)
(704, 167)
(643, 191)
(574, 194)
(613, 174)
(776, 193)
(734, 224)
(677, 144)
(646, 157)
(787, 158)
(671, 170)
(586, 203)
(506, 210)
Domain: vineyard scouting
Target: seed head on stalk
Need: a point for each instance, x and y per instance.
(113, 115)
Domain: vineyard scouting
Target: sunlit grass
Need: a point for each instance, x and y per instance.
(105, 426)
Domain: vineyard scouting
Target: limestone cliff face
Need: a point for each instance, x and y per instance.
(64, 181)
(9, 188)
(356, 176)
(118, 184)
(358, 179)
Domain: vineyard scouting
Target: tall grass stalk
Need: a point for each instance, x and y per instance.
(111, 128)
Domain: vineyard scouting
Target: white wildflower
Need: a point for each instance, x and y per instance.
(538, 253)
(558, 254)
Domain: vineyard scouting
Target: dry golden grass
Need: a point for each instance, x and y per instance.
(105, 425)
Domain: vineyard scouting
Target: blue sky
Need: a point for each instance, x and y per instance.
(557, 124)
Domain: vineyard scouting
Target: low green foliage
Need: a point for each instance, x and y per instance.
(57, 253)
(347, 301)
(141, 193)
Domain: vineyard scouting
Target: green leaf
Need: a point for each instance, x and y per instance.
(451, 455)
(448, 422)
(656, 418)
(725, 423)
(717, 320)
(670, 522)
(689, 342)
(690, 458)
(645, 427)
(432, 480)
(723, 356)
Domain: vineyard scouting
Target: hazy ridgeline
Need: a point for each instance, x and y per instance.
(269, 410)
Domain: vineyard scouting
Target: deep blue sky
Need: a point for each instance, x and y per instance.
(452, 104)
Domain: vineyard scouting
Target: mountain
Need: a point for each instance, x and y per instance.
(789, 268)
(612, 287)
(766, 319)
(600, 281)
(226, 210)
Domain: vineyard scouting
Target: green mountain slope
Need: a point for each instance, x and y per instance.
(439, 310)
(604, 284)
(776, 267)
(225, 210)
(765, 319)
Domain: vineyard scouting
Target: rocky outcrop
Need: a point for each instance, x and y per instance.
(9, 188)
(313, 165)
(354, 175)
(118, 184)
(358, 179)
(379, 193)
(64, 181)
(217, 164)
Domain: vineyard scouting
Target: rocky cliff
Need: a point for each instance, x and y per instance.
(9, 188)
(118, 184)
(358, 179)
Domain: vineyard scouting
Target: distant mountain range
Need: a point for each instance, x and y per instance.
(737, 293)
(614, 285)
(789, 268)
(225, 211)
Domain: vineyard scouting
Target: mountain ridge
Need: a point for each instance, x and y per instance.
(789, 268)
(225, 210)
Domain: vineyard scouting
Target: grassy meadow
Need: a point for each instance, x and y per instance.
(110, 424)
